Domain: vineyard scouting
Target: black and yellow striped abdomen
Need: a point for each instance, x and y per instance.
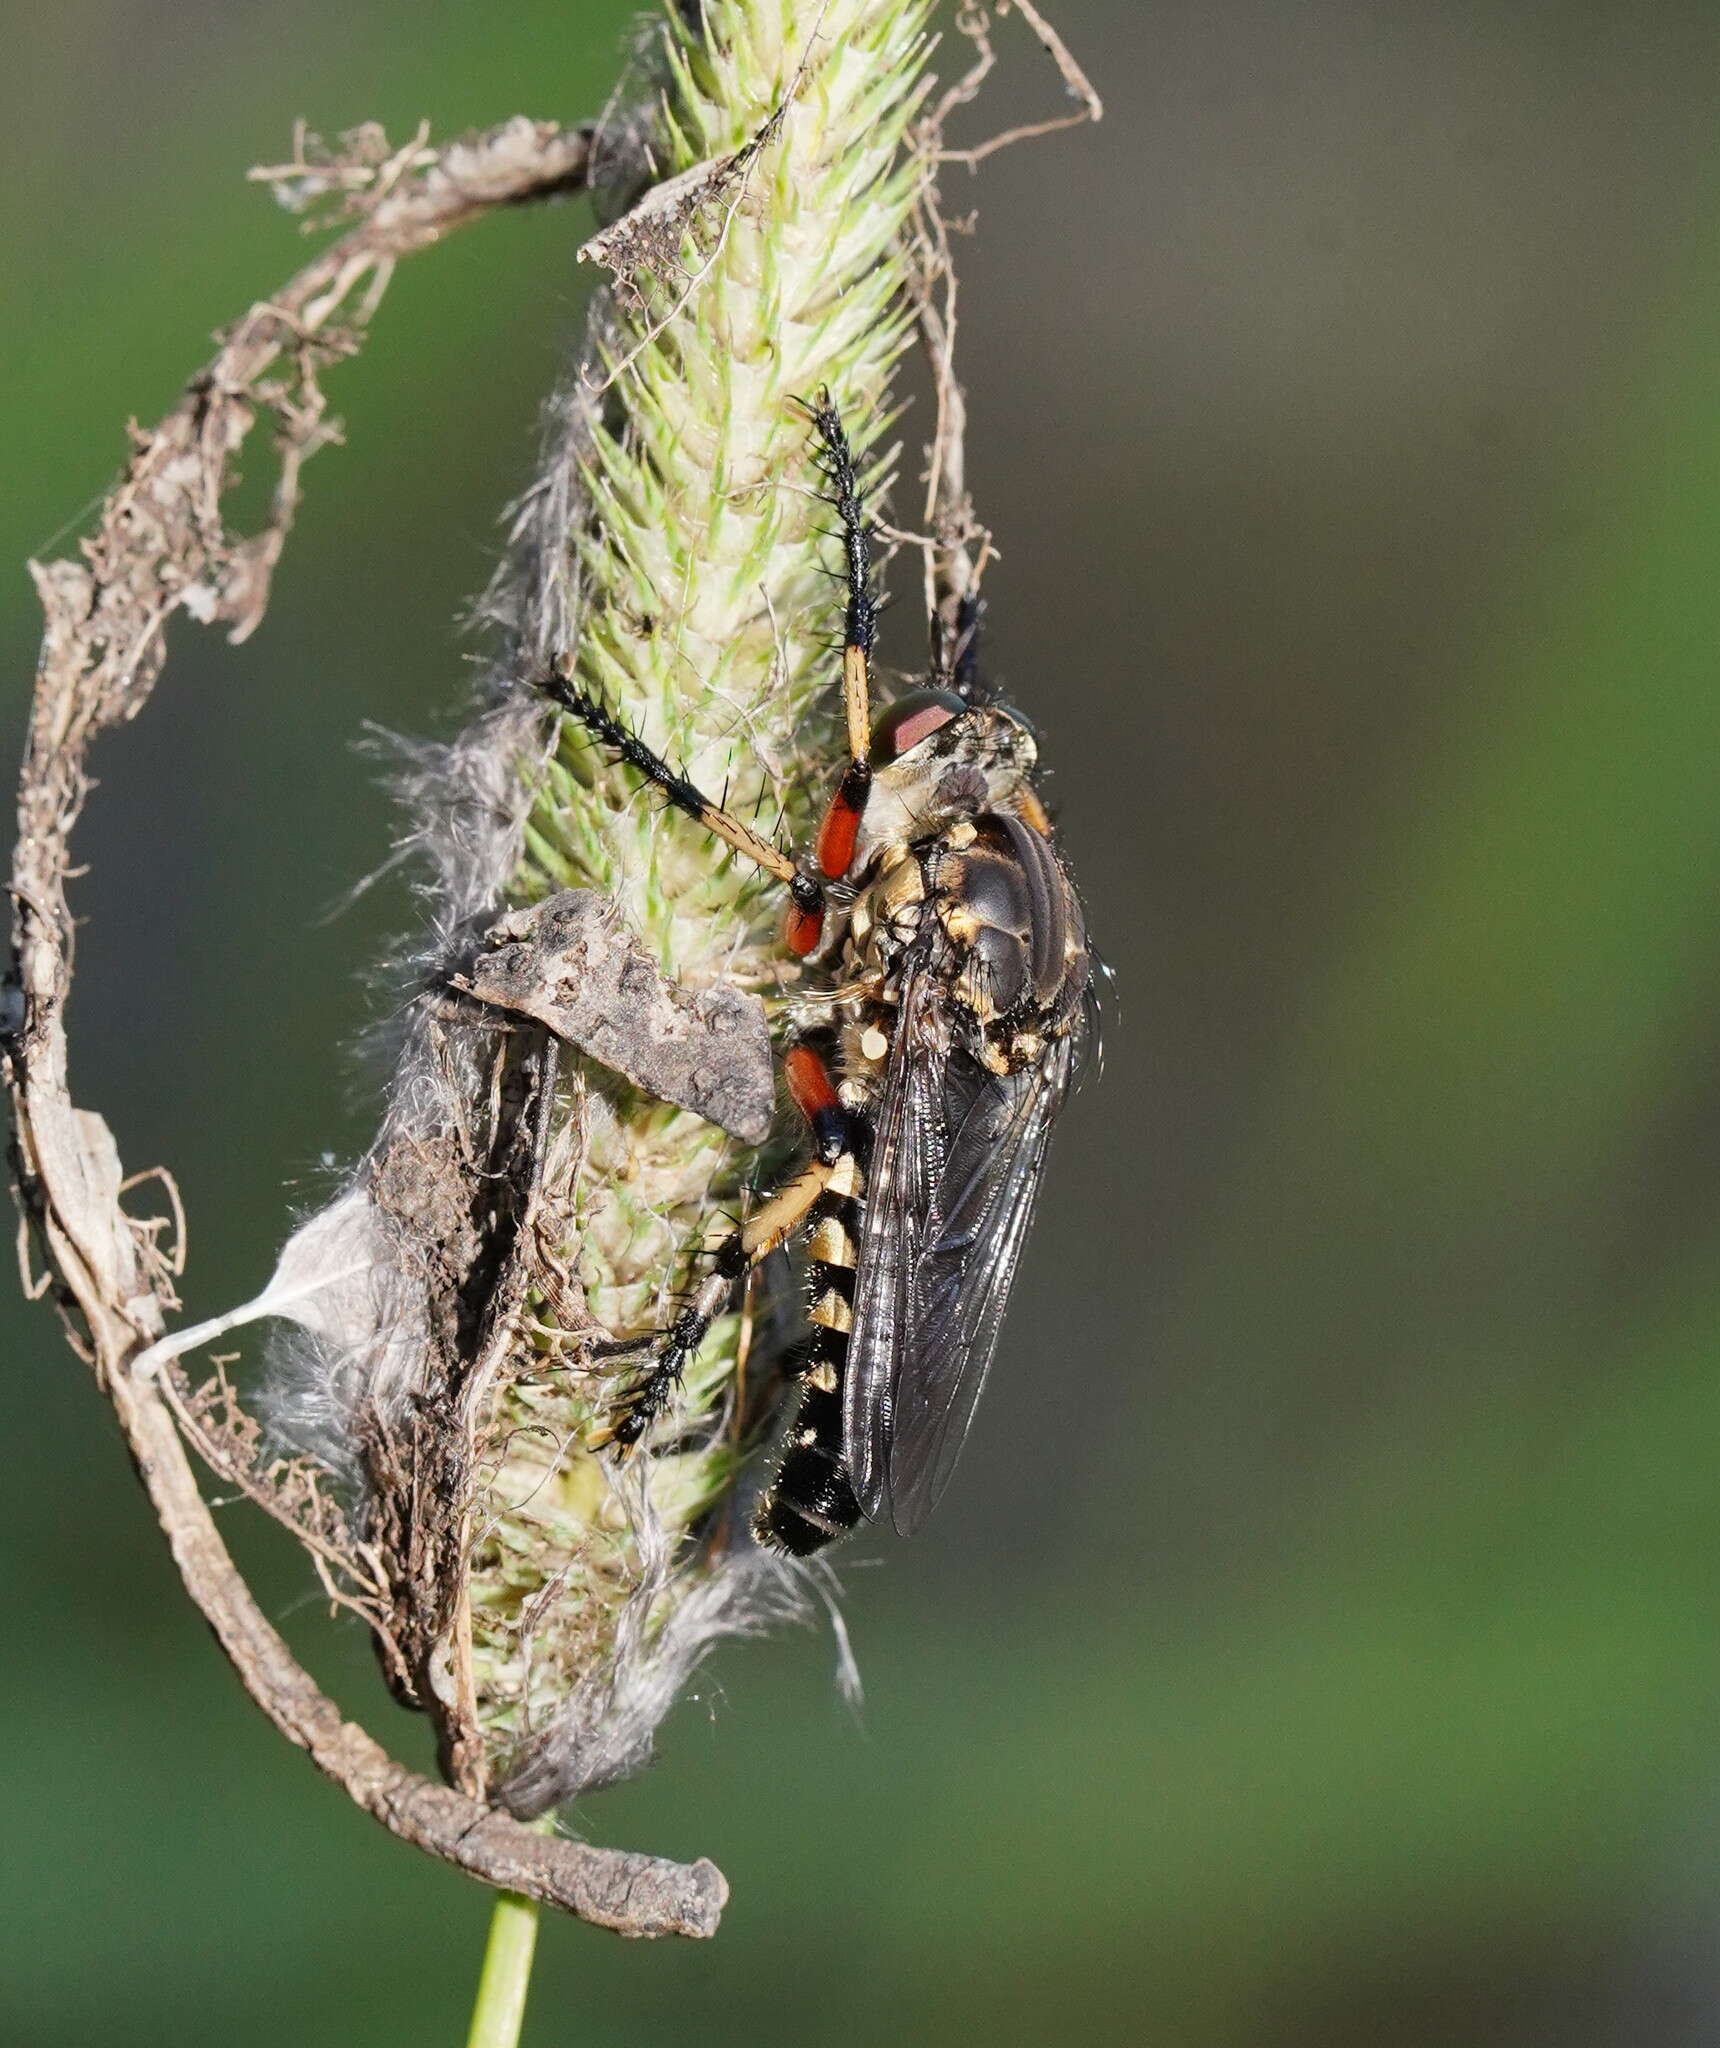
(810, 1502)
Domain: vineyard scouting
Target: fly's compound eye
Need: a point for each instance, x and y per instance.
(911, 719)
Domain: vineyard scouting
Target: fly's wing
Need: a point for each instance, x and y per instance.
(956, 1167)
(901, 1185)
(991, 1181)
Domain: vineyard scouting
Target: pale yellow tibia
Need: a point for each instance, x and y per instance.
(708, 622)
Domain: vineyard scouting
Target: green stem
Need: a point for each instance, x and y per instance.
(507, 1974)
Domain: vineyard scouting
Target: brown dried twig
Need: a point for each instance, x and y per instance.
(956, 548)
(974, 21)
(160, 546)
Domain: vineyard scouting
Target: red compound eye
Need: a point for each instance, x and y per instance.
(909, 720)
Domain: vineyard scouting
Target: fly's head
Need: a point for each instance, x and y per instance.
(936, 758)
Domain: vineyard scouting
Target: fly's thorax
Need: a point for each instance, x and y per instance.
(1017, 955)
(885, 915)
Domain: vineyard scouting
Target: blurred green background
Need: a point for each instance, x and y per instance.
(1321, 1643)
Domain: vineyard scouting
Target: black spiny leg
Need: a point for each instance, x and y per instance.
(860, 621)
(671, 1351)
(806, 896)
(841, 827)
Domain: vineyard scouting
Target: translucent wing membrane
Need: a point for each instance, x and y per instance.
(956, 1166)
(899, 1184)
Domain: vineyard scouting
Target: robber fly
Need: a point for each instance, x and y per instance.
(958, 984)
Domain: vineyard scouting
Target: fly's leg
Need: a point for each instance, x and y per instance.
(841, 827)
(671, 1351)
(860, 620)
(804, 923)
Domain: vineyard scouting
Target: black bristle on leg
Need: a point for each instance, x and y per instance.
(604, 726)
(860, 627)
(598, 720)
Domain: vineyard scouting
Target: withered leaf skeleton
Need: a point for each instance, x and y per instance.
(159, 546)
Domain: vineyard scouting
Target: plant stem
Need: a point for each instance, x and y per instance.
(507, 1973)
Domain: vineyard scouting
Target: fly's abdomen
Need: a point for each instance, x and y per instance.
(811, 1501)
